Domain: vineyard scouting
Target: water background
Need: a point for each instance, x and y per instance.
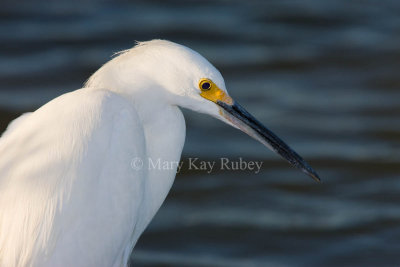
(324, 75)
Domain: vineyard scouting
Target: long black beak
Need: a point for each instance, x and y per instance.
(239, 117)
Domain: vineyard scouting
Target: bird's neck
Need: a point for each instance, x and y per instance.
(164, 130)
(165, 136)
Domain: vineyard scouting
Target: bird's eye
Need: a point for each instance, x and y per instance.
(205, 85)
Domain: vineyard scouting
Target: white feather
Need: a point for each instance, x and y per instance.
(68, 193)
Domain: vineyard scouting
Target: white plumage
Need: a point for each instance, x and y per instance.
(68, 193)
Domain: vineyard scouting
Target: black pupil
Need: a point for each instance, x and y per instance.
(206, 86)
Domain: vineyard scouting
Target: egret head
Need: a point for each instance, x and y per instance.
(184, 78)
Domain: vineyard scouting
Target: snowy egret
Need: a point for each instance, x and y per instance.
(69, 195)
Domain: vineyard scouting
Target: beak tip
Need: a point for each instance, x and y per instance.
(314, 176)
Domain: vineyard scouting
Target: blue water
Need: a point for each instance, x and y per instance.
(324, 75)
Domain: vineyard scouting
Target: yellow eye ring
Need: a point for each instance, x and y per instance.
(205, 84)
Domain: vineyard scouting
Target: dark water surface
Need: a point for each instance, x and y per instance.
(324, 75)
